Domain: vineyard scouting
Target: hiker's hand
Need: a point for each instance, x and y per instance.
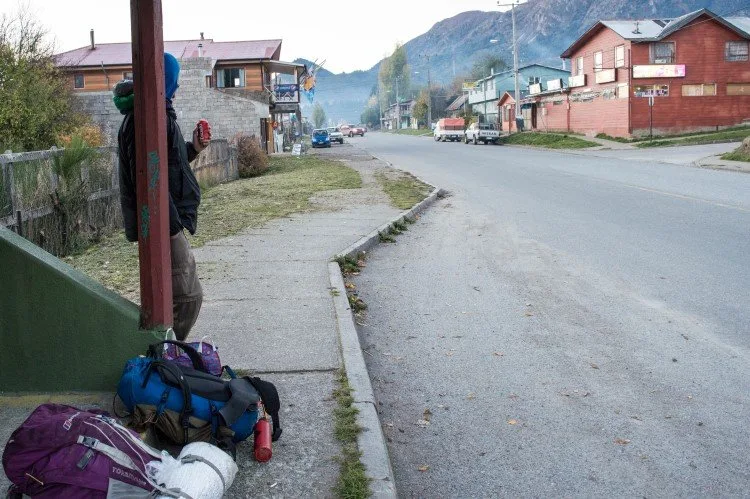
(197, 144)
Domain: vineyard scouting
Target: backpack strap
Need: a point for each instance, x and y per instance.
(270, 397)
(171, 374)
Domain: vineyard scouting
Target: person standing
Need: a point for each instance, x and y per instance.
(184, 195)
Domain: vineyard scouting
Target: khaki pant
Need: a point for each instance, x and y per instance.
(187, 294)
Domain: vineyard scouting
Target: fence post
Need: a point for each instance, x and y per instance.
(19, 223)
(54, 179)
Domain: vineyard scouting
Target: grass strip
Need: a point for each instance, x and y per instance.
(548, 140)
(736, 155)
(353, 482)
(403, 189)
(708, 138)
(225, 210)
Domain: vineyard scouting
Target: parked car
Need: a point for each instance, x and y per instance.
(345, 130)
(449, 129)
(356, 130)
(486, 133)
(320, 138)
(335, 134)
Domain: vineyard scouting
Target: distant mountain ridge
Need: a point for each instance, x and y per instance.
(545, 29)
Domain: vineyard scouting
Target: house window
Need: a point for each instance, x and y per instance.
(579, 66)
(598, 61)
(700, 90)
(230, 78)
(622, 91)
(533, 80)
(736, 51)
(78, 80)
(620, 56)
(738, 89)
(127, 75)
(208, 81)
(662, 53)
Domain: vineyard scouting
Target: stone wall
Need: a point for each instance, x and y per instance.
(229, 114)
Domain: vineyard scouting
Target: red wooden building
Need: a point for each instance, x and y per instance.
(660, 76)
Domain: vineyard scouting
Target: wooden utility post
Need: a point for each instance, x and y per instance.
(151, 164)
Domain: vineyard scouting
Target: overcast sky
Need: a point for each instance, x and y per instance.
(348, 34)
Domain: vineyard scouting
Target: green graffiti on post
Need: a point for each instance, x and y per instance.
(153, 169)
(145, 222)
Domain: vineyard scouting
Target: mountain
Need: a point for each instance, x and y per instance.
(545, 28)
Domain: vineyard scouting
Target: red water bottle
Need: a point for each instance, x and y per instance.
(262, 448)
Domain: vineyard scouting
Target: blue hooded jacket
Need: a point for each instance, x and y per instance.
(171, 75)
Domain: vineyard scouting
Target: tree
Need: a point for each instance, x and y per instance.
(319, 115)
(35, 96)
(371, 114)
(485, 65)
(420, 107)
(394, 76)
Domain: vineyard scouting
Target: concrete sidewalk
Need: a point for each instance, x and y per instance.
(269, 307)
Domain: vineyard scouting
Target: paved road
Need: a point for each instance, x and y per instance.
(574, 325)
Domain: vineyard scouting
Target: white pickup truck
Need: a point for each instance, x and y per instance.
(486, 133)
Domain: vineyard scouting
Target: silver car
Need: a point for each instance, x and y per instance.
(336, 135)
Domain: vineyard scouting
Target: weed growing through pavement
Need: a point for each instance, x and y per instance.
(353, 482)
(356, 303)
(348, 265)
(386, 238)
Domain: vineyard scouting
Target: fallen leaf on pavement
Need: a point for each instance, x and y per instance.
(498, 354)
(450, 353)
(528, 314)
(423, 468)
(426, 415)
(594, 366)
(470, 396)
(350, 285)
(622, 441)
(512, 422)
(423, 423)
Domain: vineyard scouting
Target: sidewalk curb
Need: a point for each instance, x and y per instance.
(371, 441)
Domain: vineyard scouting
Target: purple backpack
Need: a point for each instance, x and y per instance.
(199, 355)
(61, 451)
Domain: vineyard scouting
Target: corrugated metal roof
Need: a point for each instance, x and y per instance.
(458, 103)
(113, 54)
(657, 29)
(742, 23)
(636, 29)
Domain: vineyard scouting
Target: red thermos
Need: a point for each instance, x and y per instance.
(262, 450)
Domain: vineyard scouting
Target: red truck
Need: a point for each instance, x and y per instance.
(449, 129)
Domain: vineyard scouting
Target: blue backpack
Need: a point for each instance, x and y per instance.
(188, 404)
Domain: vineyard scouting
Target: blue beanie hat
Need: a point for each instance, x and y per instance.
(171, 74)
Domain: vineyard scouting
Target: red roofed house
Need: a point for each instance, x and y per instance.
(694, 69)
(230, 84)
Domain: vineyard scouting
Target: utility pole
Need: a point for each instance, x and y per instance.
(429, 93)
(515, 55)
(398, 106)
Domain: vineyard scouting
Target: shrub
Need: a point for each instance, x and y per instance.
(91, 135)
(252, 160)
